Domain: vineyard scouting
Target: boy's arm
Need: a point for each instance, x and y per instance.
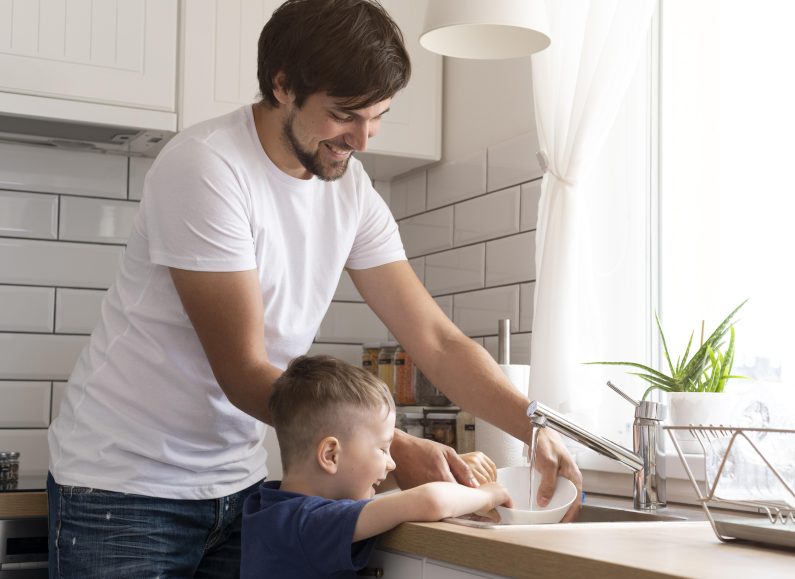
(429, 502)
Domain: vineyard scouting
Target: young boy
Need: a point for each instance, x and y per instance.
(335, 423)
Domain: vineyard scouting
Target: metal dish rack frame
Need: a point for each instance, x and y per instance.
(778, 512)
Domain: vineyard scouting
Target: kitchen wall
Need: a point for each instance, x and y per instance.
(467, 224)
(64, 220)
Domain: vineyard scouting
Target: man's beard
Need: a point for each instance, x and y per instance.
(312, 161)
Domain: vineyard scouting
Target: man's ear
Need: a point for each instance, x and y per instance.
(328, 454)
(280, 90)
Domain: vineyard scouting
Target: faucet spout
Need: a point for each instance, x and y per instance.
(597, 443)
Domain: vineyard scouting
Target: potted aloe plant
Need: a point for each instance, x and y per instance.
(693, 381)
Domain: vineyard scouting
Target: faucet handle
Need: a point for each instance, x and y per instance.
(623, 394)
(644, 408)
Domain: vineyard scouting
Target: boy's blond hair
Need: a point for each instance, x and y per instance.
(314, 398)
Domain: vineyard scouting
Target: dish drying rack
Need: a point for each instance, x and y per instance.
(776, 525)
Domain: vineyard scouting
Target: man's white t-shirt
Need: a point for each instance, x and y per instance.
(142, 411)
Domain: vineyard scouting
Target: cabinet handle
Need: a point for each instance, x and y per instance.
(371, 572)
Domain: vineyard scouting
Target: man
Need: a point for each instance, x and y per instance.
(245, 225)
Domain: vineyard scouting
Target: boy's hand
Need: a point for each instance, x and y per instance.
(482, 466)
(498, 496)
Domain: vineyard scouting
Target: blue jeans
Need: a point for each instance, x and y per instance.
(97, 533)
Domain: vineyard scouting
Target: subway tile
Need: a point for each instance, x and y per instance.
(139, 166)
(27, 168)
(513, 162)
(511, 259)
(58, 391)
(25, 404)
(54, 263)
(432, 231)
(346, 290)
(78, 310)
(353, 323)
(28, 215)
(350, 353)
(38, 356)
(526, 305)
(96, 220)
(456, 270)
(531, 195)
(26, 309)
(418, 265)
(407, 195)
(478, 313)
(31, 444)
(519, 349)
(457, 180)
(446, 304)
(487, 217)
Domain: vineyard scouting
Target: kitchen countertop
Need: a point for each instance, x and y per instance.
(610, 550)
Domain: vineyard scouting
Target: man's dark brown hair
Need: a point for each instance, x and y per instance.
(350, 49)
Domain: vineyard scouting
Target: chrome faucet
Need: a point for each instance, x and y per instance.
(647, 458)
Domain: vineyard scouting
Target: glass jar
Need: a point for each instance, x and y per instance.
(370, 357)
(412, 423)
(426, 393)
(386, 364)
(13, 463)
(440, 427)
(404, 378)
(5, 467)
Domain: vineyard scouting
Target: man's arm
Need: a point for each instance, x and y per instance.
(429, 502)
(225, 309)
(459, 367)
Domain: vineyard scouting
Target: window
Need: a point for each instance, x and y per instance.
(727, 128)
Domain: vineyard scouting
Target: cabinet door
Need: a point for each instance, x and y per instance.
(219, 51)
(435, 571)
(117, 52)
(396, 565)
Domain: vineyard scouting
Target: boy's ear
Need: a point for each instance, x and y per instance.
(328, 454)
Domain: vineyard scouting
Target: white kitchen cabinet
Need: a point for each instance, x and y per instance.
(396, 565)
(120, 54)
(434, 570)
(219, 74)
(401, 566)
(219, 51)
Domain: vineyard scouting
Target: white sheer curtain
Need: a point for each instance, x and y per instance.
(579, 84)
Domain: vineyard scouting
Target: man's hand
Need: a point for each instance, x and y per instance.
(553, 460)
(420, 461)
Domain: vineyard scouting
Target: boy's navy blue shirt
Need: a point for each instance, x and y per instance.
(292, 535)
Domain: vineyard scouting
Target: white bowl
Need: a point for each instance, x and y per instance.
(517, 480)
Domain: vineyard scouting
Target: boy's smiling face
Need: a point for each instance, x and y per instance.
(364, 459)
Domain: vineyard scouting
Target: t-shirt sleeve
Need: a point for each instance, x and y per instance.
(377, 239)
(326, 535)
(196, 212)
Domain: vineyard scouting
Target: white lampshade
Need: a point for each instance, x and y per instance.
(483, 29)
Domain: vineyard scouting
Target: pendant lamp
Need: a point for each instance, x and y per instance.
(484, 29)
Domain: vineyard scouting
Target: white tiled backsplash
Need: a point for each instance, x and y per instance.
(467, 225)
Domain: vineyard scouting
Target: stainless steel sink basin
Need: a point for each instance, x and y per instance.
(599, 514)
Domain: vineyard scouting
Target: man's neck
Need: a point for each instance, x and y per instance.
(268, 123)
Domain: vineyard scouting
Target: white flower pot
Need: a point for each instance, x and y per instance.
(701, 409)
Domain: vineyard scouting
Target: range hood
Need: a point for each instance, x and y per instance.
(81, 136)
